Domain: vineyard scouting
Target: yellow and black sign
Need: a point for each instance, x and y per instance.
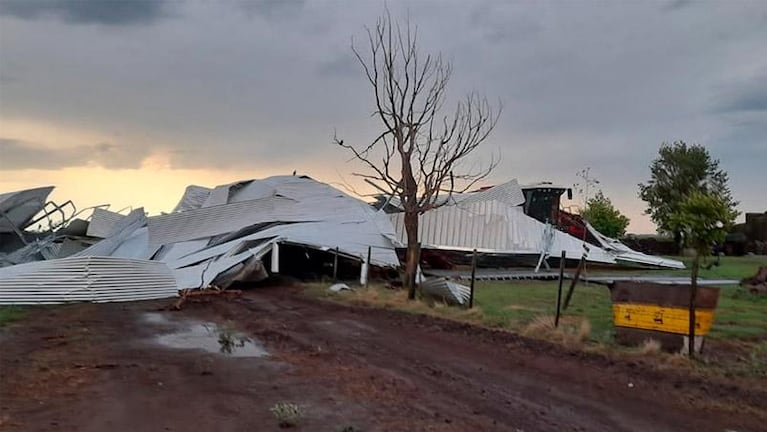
(661, 318)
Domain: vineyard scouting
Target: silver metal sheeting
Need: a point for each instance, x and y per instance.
(492, 221)
(443, 289)
(90, 279)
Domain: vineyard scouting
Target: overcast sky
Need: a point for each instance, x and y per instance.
(127, 102)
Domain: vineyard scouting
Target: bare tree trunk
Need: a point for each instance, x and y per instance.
(678, 248)
(420, 150)
(693, 294)
(411, 260)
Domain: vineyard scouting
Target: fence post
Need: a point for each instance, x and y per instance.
(367, 269)
(335, 266)
(559, 291)
(693, 294)
(473, 275)
(574, 282)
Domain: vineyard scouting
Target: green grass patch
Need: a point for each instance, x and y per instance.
(729, 267)
(8, 314)
(739, 315)
(513, 305)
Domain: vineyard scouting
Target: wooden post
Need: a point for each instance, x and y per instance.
(559, 292)
(473, 274)
(335, 265)
(574, 282)
(367, 269)
(693, 294)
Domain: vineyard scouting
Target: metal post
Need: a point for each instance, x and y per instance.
(559, 292)
(335, 265)
(473, 274)
(574, 282)
(367, 269)
(275, 257)
(693, 294)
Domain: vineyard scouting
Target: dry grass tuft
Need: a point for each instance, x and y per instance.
(516, 307)
(675, 361)
(572, 332)
(650, 347)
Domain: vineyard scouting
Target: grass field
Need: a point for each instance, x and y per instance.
(728, 268)
(514, 305)
(9, 314)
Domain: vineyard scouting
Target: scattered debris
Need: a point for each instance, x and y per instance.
(215, 237)
(250, 230)
(288, 415)
(189, 295)
(443, 289)
(339, 287)
(501, 221)
(756, 284)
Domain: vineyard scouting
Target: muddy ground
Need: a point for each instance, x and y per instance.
(101, 368)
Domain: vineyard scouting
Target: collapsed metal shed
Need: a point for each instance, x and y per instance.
(494, 221)
(214, 236)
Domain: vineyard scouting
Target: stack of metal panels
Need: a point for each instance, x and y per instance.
(89, 278)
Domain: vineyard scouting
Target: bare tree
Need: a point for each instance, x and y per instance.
(420, 153)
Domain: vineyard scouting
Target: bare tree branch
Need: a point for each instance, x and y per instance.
(420, 150)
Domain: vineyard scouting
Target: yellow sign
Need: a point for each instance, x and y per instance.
(661, 318)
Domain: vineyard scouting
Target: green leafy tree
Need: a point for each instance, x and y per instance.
(679, 171)
(603, 216)
(702, 219)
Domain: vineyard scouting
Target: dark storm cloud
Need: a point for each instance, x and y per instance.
(498, 27)
(126, 12)
(263, 85)
(747, 96)
(21, 155)
(273, 9)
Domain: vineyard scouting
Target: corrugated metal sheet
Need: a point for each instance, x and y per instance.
(194, 197)
(352, 239)
(20, 207)
(625, 253)
(90, 278)
(298, 200)
(507, 193)
(211, 221)
(446, 290)
(123, 230)
(103, 223)
(492, 226)
(248, 217)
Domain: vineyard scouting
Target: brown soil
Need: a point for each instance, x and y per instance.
(96, 368)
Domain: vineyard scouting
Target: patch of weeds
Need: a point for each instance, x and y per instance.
(650, 347)
(572, 331)
(742, 294)
(757, 360)
(9, 314)
(604, 337)
(288, 415)
(229, 340)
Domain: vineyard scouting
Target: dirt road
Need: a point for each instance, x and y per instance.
(102, 368)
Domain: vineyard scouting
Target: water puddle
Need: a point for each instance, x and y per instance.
(209, 337)
(154, 318)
